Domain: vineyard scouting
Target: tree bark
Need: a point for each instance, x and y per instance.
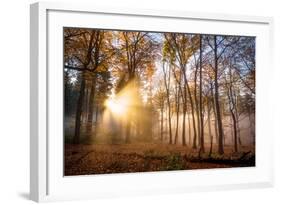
(209, 128)
(79, 109)
(184, 97)
(232, 111)
(235, 131)
(177, 97)
(237, 119)
(197, 104)
(161, 125)
(97, 114)
(202, 147)
(167, 77)
(219, 121)
(215, 114)
(193, 117)
(183, 124)
(189, 129)
(91, 107)
(66, 93)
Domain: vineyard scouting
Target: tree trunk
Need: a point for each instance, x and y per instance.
(219, 121)
(197, 104)
(184, 102)
(97, 114)
(237, 119)
(167, 80)
(189, 129)
(235, 131)
(202, 147)
(214, 111)
(232, 107)
(193, 118)
(85, 105)
(79, 109)
(177, 96)
(161, 125)
(66, 93)
(209, 128)
(183, 124)
(184, 97)
(169, 122)
(91, 107)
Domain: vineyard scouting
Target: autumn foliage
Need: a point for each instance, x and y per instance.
(146, 101)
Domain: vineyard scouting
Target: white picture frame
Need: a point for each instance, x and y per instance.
(47, 182)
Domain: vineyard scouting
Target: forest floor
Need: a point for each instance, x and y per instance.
(145, 157)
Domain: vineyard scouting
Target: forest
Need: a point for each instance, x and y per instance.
(137, 101)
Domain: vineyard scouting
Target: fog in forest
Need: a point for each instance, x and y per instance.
(146, 101)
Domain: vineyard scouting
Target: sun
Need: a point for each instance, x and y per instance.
(117, 106)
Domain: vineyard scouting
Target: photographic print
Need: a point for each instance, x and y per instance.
(141, 101)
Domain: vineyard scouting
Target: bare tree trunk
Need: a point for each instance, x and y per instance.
(183, 124)
(66, 93)
(86, 105)
(97, 114)
(197, 104)
(185, 109)
(202, 147)
(194, 146)
(235, 132)
(184, 97)
(219, 121)
(214, 111)
(238, 129)
(170, 122)
(232, 108)
(237, 119)
(91, 107)
(233, 115)
(184, 102)
(167, 80)
(177, 97)
(209, 129)
(79, 109)
(189, 129)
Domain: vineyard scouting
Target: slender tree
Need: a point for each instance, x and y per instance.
(167, 81)
(202, 148)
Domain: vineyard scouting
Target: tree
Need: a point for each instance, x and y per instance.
(84, 54)
(202, 148)
(159, 102)
(84, 60)
(217, 104)
(167, 81)
(232, 105)
(219, 46)
(135, 52)
(101, 62)
(178, 93)
(196, 87)
(179, 48)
